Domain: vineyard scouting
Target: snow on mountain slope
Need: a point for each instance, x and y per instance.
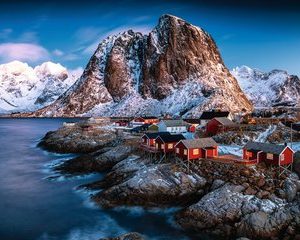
(267, 89)
(23, 88)
(176, 69)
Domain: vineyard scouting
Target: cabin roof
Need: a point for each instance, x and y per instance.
(199, 143)
(175, 123)
(171, 138)
(225, 121)
(155, 134)
(211, 115)
(265, 147)
(148, 117)
(192, 120)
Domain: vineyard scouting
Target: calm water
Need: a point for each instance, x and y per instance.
(34, 207)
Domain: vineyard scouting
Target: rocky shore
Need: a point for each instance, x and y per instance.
(216, 198)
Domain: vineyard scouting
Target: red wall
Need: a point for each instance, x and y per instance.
(288, 156)
(213, 152)
(212, 127)
(165, 149)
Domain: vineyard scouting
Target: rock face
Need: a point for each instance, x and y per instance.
(23, 88)
(177, 67)
(267, 89)
(127, 236)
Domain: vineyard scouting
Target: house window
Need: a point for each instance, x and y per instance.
(185, 152)
(281, 157)
(156, 145)
(170, 146)
(162, 146)
(177, 150)
(270, 156)
(195, 151)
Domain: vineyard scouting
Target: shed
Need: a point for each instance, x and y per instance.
(217, 125)
(271, 154)
(191, 149)
(148, 139)
(173, 126)
(166, 143)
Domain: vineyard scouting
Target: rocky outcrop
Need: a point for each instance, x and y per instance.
(150, 185)
(228, 211)
(77, 140)
(98, 161)
(175, 69)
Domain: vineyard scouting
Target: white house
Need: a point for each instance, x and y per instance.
(173, 126)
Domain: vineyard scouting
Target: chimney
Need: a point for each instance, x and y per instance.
(285, 144)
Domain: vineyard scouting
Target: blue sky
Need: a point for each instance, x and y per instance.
(261, 35)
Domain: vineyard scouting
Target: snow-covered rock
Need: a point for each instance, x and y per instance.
(23, 88)
(267, 89)
(175, 69)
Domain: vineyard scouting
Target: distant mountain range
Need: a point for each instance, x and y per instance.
(273, 88)
(175, 69)
(23, 88)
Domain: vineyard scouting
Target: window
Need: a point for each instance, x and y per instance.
(281, 157)
(156, 145)
(177, 150)
(170, 145)
(195, 151)
(270, 156)
(162, 146)
(185, 152)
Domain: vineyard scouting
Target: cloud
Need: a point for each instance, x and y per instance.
(57, 53)
(22, 52)
(87, 34)
(90, 49)
(71, 57)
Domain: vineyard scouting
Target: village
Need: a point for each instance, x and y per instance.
(187, 141)
(239, 169)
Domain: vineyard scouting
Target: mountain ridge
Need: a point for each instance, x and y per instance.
(133, 74)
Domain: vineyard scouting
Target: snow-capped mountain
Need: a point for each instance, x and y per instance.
(276, 87)
(23, 88)
(175, 69)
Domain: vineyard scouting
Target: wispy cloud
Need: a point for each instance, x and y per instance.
(57, 53)
(22, 52)
(28, 37)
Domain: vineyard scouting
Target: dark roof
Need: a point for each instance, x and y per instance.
(225, 121)
(155, 134)
(199, 143)
(149, 117)
(172, 138)
(265, 147)
(211, 115)
(192, 120)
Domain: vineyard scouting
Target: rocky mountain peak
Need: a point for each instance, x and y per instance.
(177, 67)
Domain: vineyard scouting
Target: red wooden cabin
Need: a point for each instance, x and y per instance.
(217, 125)
(192, 128)
(191, 149)
(271, 154)
(148, 139)
(166, 143)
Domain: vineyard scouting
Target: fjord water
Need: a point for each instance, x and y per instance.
(32, 206)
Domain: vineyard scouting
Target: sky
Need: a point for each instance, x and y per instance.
(260, 34)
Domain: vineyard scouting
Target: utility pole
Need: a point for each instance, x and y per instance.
(291, 135)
